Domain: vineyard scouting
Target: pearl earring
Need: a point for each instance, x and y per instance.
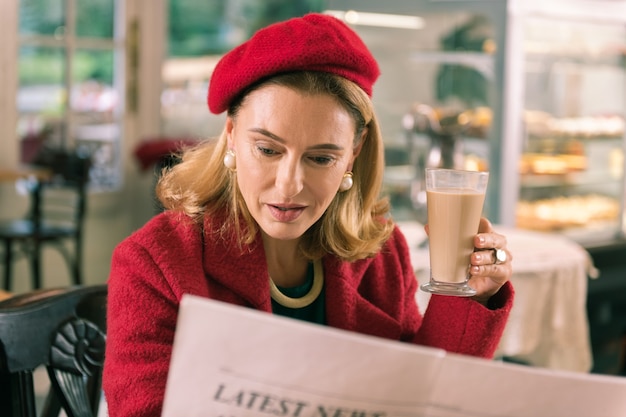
(347, 182)
(229, 160)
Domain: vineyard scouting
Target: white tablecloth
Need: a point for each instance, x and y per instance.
(548, 325)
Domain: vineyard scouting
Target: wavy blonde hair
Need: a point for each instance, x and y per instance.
(355, 225)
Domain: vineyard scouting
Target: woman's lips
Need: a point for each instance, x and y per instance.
(285, 213)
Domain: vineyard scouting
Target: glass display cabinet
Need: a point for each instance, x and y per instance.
(535, 92)
(572, 163)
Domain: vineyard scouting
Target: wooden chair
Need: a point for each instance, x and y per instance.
(62, 330)
(56, 216)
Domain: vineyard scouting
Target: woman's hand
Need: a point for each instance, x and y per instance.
(487, 276)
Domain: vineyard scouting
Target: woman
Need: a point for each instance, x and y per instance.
(282, 214)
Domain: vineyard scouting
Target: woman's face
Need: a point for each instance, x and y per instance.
(292, 151)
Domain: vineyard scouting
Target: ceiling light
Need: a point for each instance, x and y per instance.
(378, 19)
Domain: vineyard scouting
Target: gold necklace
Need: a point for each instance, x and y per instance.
(307, 299)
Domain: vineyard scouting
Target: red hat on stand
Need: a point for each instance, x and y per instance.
(315, 42)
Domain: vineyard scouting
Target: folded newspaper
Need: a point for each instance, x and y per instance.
(231, 361)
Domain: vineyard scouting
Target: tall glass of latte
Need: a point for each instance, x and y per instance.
(454, 200)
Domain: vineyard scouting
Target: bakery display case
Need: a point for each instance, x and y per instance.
(572, 163)
(533, 91)
(570, 74)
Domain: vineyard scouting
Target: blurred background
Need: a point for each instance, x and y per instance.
(534, 92)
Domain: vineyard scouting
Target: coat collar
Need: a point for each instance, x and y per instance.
(346, 307)
(226, 261)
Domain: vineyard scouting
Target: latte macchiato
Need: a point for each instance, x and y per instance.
(454, 199)
(453, 217)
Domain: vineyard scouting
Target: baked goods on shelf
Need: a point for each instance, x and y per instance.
(473, 122)
(538, 163)
(565, 212)
(479, 120)
(542, 124)
(588, 127)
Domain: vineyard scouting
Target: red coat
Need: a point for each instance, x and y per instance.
(167, 258)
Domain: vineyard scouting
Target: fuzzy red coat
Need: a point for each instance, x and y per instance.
(168, 257)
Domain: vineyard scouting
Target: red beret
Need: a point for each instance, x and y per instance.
(315, 42)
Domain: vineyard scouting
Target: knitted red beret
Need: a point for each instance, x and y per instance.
(315, 42)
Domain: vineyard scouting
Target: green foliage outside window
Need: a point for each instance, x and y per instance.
(195, 28)
(46, 20)
(210, 27)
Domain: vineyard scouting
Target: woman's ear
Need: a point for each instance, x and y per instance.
(229, 127)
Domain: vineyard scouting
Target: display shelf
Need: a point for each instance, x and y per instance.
(568, 180)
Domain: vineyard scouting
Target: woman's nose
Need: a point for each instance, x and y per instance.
(289, 178)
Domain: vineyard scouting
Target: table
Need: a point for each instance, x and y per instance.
(16, 173)
(4, 295)
(548, 326)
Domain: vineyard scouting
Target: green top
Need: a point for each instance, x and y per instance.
(314, 312)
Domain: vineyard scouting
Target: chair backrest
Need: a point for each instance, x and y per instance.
(62, 200)
(62, 330)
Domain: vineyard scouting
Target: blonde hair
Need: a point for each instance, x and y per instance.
(355, 225)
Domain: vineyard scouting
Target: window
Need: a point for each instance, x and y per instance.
(69, 94)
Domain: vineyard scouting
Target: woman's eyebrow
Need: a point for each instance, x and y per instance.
(264, 132)
(267, 133)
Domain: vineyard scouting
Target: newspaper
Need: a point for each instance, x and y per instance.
(231, 361)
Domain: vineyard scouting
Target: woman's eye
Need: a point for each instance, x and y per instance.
(266, 151)
(322, 160)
